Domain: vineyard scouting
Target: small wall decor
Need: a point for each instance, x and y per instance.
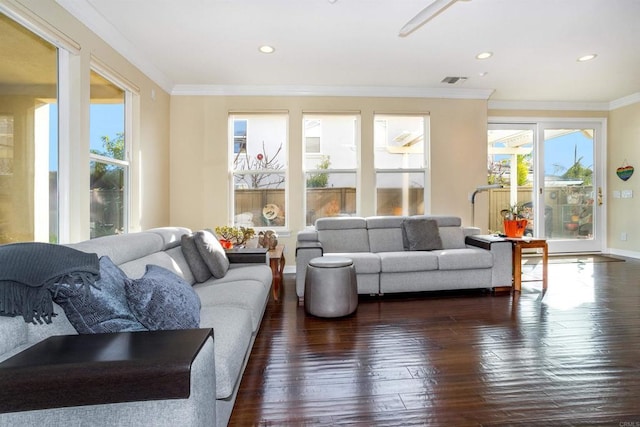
(625, 171)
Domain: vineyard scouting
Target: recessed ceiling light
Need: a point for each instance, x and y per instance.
(484, 55)
(587, 57)
(267, 49)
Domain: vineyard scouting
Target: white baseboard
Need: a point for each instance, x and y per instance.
(620, 252)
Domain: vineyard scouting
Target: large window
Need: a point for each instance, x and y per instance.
(109, 163)
(259, 169)
(400, 158)
(330, 161)
(28, 136)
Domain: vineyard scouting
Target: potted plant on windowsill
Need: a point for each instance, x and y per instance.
(514, 223)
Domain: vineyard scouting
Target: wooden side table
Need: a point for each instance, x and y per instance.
(277, 262)
(520, 244)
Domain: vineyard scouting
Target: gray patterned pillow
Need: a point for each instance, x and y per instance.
(197, 265)
(162, 300)
(421, 234)
(212, 253)
(103, 308)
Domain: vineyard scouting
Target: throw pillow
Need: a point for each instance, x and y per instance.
(191, 254)
(212, 253)
(162, 300)
(421, 234)
(101, 308)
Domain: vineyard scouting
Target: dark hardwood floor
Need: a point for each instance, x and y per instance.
(568, 357)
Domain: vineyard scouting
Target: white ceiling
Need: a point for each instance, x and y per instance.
(352, 46)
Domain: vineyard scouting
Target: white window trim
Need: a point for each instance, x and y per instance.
(426, 170)
(129, 89)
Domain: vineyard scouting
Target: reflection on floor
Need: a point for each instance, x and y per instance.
(570, 356)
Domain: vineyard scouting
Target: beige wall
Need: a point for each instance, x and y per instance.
(624, 147)
(150, 161)
(199, 153)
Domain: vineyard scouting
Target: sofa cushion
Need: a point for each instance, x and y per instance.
(421, 234)
(343, 234)
(385, 233)
(401, 262)
(363, 262)
(452, 237)
(212, 253)
(103, 307)
(256, 272)
(464, 259)
(122, 248)
(191, 253)
(232, 337)
(248, 294)
(162, 300)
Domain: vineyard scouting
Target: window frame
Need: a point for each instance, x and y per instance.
(232, 171)
(356, 171)
(114, 78)
(425, 171)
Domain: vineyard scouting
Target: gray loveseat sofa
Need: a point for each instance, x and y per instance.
(376, 246)
(232, 305)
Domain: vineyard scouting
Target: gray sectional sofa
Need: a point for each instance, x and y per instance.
(377, 248)
(232, 305)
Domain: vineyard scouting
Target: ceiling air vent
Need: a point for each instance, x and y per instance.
(454, 80)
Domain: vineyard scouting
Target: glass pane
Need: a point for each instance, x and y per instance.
(259, 205)
(107, 199)
(239, 136)
(330, 141)
(28, 136)
(400, 193)
(107, 119)
(259, 179)
(510, 164)
(336, 197)
(399, 142)
(266, 147)
(568, 176)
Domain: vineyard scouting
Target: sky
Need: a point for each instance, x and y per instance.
(105, 120)
(562, 151)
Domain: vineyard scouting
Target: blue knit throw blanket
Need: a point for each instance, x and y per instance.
(29, 271)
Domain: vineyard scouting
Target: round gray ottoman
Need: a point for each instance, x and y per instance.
(330, 288)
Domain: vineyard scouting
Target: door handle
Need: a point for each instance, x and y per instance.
(599, 196)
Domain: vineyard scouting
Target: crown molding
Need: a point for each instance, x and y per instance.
(624, 101)
(548, 105)
(564, 106)
(86, 14)
(364, 91)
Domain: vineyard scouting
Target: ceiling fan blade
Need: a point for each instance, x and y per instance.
(425, 16)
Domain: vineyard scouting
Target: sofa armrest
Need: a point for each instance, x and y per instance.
(502, 252)
(79, 370)
(248, 255)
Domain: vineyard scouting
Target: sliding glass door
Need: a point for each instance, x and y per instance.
(552, 173)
